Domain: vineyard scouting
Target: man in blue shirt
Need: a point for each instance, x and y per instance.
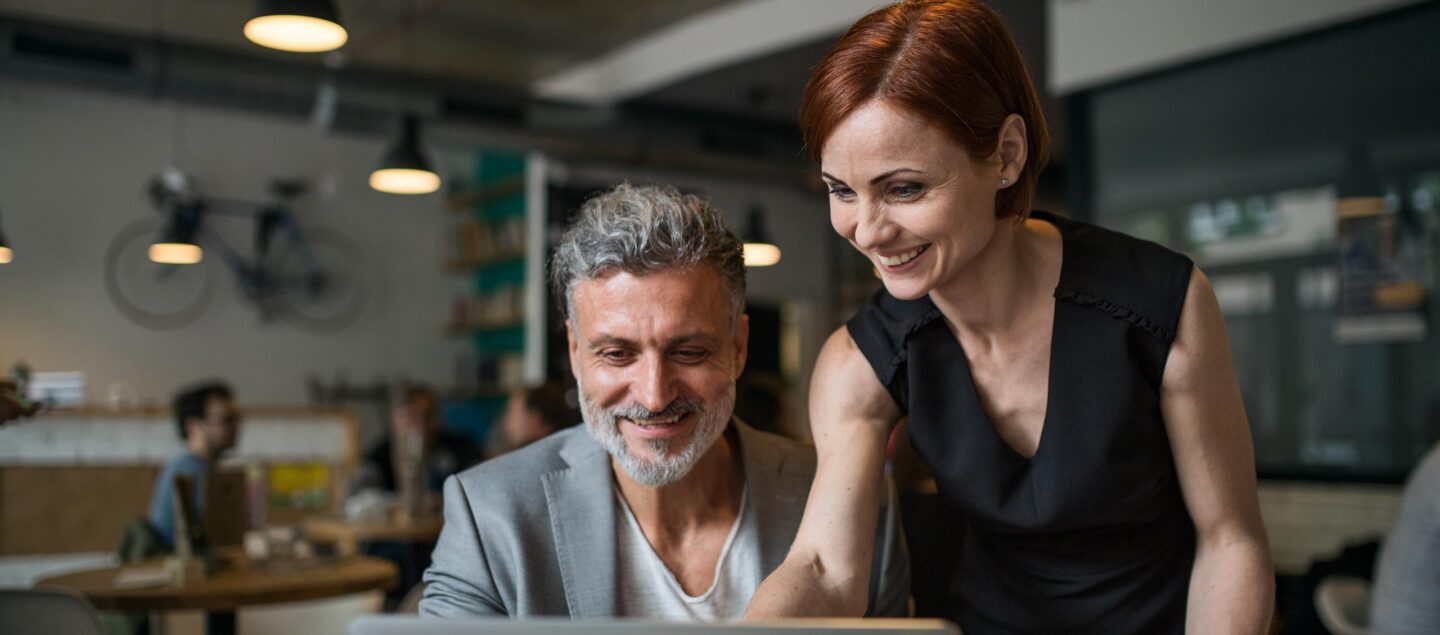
(207, 420)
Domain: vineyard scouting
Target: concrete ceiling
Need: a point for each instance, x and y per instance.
(738, 59)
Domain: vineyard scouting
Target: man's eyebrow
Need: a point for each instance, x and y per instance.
(694, 338)
(603, 340)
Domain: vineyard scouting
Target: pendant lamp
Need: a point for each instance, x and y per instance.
(177, 244)
(404, 169)
(1359, 192)
(759, 251)
(6, 255)
(300, 26)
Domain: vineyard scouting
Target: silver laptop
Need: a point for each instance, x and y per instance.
(413, 625)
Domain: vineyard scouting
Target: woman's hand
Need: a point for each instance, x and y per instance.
(827, 572)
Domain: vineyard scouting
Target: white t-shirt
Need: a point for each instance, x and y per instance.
(647, 588)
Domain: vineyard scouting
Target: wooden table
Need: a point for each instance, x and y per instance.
(347, 534)
(228, 589)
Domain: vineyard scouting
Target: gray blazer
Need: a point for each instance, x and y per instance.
(532, 533)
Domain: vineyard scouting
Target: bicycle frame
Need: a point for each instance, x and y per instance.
(307, 276)
(256, 280)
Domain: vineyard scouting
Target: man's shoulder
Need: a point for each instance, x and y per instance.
(779, 455)
(185, 463)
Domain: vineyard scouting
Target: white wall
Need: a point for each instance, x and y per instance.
(1097, 41)
(72, 165)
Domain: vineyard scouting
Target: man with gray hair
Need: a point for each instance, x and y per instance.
(663, 505)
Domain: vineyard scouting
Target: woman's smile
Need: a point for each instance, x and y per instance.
(895, 262)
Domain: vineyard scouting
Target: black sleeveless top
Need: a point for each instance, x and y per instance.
(1090, 535)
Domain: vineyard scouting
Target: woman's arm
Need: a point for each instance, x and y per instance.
(827, 572)
(1232, 585)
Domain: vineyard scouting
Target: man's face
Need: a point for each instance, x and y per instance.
(656, 358)
(520, 424)
(221, 424)
(418, 412)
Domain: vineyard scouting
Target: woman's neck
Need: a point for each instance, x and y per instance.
(1001, 281)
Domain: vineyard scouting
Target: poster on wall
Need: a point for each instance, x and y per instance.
(1382, 257)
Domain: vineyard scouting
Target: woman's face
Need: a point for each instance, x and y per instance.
(908, 197)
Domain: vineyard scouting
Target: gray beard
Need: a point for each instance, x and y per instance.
(604, 425)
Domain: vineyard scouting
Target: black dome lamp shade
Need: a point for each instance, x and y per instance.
(404, 169)
(6, 255)
(759, 251)
(1359, 191)
(177, 244)
(301, 26)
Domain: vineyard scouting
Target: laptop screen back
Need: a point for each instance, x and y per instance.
(413, 625)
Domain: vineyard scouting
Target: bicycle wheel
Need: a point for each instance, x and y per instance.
(322, 298)
(150, 294)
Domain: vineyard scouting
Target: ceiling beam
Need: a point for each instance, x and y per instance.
(368, 101)
(1095, 42)
(704, 42)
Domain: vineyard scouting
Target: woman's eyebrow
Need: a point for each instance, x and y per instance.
(891, 173)
(877, 179)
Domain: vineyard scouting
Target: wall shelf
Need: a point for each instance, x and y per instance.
(497, 242)
(496, 190)
(466, 330)
(470, 265)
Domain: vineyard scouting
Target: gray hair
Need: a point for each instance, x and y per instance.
(646, 229)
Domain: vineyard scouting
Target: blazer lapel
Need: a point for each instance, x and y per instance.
(776, 495)
(582, 519)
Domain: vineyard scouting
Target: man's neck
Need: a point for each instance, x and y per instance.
(201, 450)
(707, 497)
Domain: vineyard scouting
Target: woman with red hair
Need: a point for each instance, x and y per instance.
(1069, 386)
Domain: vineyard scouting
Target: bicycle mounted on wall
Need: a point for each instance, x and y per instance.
(306, 276)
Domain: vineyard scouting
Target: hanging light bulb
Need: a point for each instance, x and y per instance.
(301, 26)
(6, 255)
(404, 169)
(759, 251)
(177, 245)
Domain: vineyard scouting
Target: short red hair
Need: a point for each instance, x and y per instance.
(952, 63)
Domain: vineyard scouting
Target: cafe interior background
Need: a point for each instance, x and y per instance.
(1244, 134)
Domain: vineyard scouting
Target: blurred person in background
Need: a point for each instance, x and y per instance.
(208, 423)
(12, 404)
(379, 486)
(445, 450)
(533, 412)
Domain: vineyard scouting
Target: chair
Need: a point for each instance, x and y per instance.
(46, 612)
(1343, 603)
